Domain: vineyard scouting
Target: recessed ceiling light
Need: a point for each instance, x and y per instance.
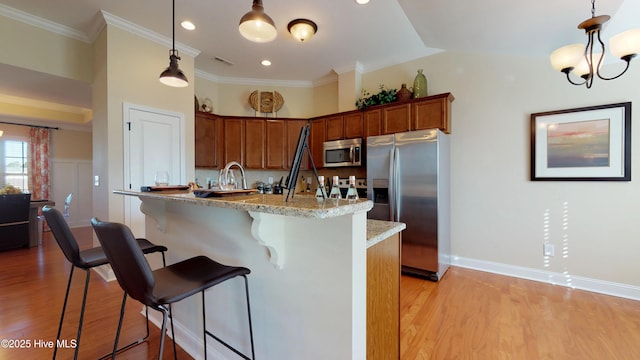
(265, 62)
(188, 25)
(362, 2)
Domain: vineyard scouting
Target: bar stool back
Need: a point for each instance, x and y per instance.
(86, 260)
(160, 288)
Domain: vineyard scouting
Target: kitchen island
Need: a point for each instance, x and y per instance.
(308, 261)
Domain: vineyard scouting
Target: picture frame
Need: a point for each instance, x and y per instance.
(583, 144)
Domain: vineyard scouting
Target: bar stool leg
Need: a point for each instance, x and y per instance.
(64, 308)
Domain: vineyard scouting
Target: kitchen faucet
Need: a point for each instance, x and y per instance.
(224, 174)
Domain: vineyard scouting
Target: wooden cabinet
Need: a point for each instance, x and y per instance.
(208, 141)
(372, 122)
(383, 299)
(433, 112)
(275, 144)
(259, 143)
(396, 118)
(234, 140)
(254, 137)
(293, 134)
(317, 138)
(353, 125)
(335, 128)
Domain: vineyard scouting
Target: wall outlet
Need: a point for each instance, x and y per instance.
(548, 249)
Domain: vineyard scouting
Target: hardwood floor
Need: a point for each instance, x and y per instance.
(467, 315)
(477, 315)
(32, 285)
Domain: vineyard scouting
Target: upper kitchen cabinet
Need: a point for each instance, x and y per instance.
(432, 112)
(396, 118)
(293, 134)
(334, 127)
(317, 137)
(234, 140)
(372, 119)
(276, 144)
(353, 125)
(208, 140)
(254, 137)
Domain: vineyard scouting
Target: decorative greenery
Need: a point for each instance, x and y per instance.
(384, 96)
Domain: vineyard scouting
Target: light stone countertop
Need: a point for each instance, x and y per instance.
(378, 230)
(299, 205)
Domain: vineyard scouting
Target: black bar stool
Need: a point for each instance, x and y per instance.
(86, 260)
(162, 287)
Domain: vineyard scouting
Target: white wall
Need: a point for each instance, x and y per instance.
(497, 212)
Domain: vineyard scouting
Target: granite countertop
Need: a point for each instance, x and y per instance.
(378, 230)
(299, 206)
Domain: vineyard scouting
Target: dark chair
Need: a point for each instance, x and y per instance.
(160, 288)
(86, 260)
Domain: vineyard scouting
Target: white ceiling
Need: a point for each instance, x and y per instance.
(372, 36)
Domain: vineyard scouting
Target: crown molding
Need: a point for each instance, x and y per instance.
(145, 33)
(41, 23)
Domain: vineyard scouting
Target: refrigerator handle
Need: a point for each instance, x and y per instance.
(392, 185)
(396, 185)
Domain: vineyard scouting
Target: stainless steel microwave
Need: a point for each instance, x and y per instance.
(342, 153)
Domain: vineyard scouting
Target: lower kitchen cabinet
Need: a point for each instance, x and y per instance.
(383, 299)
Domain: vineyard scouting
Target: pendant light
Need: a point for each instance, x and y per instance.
(173, 76)
(585, 61)
(257, 26)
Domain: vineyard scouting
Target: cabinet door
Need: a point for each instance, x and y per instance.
(234, 140)
(208, 145)
(335, 128)
(254, 143)
(432, 114)
(293, 133)
(372, 122)
(353, 125)
(275, 153)
(317, 139)
(396, 119)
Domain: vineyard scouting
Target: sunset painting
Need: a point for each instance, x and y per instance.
(578, 144)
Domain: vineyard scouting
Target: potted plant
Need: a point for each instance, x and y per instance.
(384, 96)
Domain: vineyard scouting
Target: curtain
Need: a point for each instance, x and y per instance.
(39, 163)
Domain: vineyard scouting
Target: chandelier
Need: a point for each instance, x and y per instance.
(585, 61)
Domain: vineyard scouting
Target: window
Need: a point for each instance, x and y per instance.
(14, 163)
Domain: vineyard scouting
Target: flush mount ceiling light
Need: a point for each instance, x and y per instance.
(302, 29)
(257, 26)
(586, 61)
(173, 76)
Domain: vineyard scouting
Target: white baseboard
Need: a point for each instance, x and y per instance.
(188, 341)
(571, 281)
(105, 272)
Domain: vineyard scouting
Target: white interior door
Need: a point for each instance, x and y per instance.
(153, 141)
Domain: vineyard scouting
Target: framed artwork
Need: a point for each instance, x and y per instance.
(583, 144)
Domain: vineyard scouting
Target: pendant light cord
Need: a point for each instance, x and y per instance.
(173, 27)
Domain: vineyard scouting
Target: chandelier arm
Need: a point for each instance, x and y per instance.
(617, 76)
(571, 81)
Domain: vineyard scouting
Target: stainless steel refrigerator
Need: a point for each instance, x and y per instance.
(408, 181)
